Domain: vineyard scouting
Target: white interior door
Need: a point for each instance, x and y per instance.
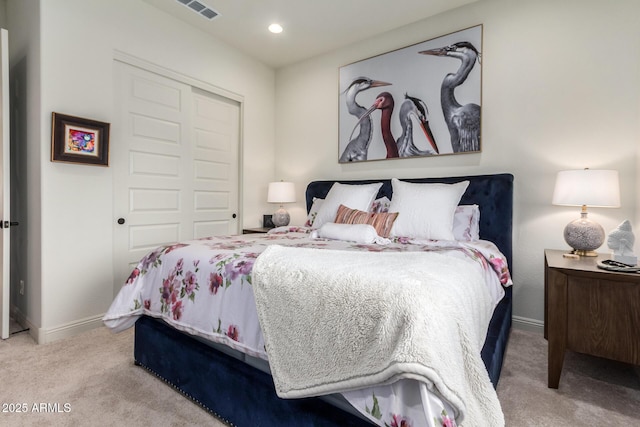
(215, 136)
(175, 166)
(5, 212)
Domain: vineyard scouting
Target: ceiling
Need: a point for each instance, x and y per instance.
(311, 27)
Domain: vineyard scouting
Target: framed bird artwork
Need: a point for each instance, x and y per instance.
(422, 100)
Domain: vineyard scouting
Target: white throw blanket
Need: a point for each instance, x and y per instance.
(335, 321)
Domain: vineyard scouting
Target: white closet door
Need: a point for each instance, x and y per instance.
(175, 159)
(216, 135)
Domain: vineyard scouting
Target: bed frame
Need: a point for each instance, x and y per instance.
(244, 396)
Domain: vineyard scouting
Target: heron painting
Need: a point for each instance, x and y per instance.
(358, 147)
(411, 108)
(430, 104)
(463, 121)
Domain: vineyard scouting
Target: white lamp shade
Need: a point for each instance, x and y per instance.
(591, 187)
(281, 192)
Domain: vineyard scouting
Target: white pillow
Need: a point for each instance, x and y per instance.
(425, 210)
(359, 233)
(352, 196)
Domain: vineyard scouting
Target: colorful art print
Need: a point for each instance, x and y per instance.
(81, 141)
(418, 101)
(78, 140)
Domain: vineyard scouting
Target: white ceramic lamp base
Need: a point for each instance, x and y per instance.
(584, 236)
(280, 218)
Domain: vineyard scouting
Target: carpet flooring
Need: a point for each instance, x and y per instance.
(90, 380)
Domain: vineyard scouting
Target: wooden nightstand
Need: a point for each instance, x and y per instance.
(589, 310)
(255, 230)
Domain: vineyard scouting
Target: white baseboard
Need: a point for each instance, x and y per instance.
(43, 336)
(69, 329)
(531, 325)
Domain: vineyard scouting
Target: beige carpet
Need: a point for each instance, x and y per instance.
(93, 373)
(592, 391)
(94, 376)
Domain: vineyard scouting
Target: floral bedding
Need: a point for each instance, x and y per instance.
(203, 287)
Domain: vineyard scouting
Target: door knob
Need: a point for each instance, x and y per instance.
(121, 221)
(233, 216)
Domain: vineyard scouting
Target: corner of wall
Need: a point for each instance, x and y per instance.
(527, 324)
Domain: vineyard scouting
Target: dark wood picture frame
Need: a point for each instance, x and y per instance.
(78, 140)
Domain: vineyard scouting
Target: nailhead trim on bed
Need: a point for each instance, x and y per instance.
(185, 394)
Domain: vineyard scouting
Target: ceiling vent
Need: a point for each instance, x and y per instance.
(200, 8)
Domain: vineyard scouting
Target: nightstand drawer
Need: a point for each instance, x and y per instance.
(603, 318)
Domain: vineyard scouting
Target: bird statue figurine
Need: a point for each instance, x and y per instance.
(620, 241)
(463, 121)
(358, 147)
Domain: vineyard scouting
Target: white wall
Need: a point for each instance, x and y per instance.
(561, 90)
(3, 13)
(76, 201)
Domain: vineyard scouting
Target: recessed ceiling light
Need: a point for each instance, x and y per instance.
(275, 28)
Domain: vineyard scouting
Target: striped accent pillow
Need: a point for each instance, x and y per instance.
(382, 222)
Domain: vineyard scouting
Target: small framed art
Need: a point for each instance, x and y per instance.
(78, 140)
(267, 221)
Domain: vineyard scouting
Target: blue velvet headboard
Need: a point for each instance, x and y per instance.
(493, 193)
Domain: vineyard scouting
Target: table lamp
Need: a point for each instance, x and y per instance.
(586, 187)
(281, 192)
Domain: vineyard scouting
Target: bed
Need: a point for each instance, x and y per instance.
(231, 380)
